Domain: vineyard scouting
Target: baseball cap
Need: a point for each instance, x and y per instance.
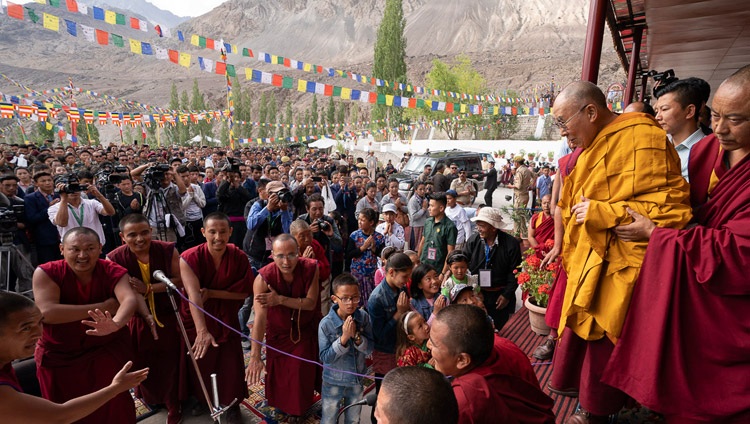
(390, 207)
(458, 289)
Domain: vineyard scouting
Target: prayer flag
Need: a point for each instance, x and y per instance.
(117, 40)
(135, 46)
(32, 15)
(102, 37)
(194, 39)
(161, 53)
(184, 60)
(146, 48)
(135, 23)
(174, 55)
(119, 19)
(88, 32)
(180, 36)
(158, 30)
(110, 17)
(287, 82)
(41, 1)
(83, 9)
(72, 6)
(209, 43)
(15, 10)
(98, 13)
(54, 3)
(143, 25)
(245, 51)
(221, 68)
(72, 28)
(231, 71)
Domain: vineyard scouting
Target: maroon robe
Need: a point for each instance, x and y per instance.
(226, 361)
(162, 356)
(684, 349)
(504, 389)
(544, 231)
(71, 363)
(290, 383)
(8, 378)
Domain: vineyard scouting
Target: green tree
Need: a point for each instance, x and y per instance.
(263, 116)
(308, 122)
(87, 134)
(172, 133)
(42, 133)
(341, 117)
(272, 119)
(331, 116)
(185, 130)
(288, 120)
(314, 119)
(198, 104)
(389, 61)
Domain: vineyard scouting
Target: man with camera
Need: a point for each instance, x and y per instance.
(12, 232)
(43, 231)
(232, 199)
(266, 220)
(164, 202)
(74, 211)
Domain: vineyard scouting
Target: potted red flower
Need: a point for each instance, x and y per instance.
(535, 282)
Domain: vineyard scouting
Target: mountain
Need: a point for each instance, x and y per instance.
(143, 8)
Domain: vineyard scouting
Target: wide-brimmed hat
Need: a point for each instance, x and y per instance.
(491, 216)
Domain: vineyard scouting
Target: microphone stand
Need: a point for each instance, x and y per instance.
(214, 407)
(367, 400)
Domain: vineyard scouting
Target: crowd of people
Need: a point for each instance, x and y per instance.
(336, 265)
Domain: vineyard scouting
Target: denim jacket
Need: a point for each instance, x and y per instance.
(338, 357)
(382, 306)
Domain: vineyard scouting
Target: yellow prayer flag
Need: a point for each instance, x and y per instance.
(302, 85)
(48, 126)
(388, 100)
(51, 22)
(463, 108)
(248, 73)
(110, 17)
(346, 93)
(135, 46)
(195, 40)
(234, 48)
(307, 67)
(495, 110)
(184, 60)
(41, 1)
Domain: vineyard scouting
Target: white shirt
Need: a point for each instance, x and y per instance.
(88, 211)
(193, 203)
(683, 150)
(396, 239)
(457, 214)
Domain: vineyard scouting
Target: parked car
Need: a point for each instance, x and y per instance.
(470, 161)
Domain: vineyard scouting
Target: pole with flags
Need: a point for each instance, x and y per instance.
(73, 124)
(230, 101)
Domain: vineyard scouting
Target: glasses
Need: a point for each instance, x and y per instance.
(563, 125)
(453, 167)
(353, 299)
(289, 257)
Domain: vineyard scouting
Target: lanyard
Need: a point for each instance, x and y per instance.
(487, 250)
(79, 219)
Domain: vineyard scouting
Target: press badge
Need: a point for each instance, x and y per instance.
(431, 253)
(485, 278)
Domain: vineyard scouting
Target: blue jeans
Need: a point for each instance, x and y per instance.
(331, 398)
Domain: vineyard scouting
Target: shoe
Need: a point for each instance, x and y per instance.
(569, 392)
(545, 350)
(583, 416)
(174, 415)
(233, 415)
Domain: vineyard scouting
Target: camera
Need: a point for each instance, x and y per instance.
(154, 175)
(9, 218)
(232, 165)
(317, 179)
(108, 176)
(285, 195)
(323, 224)
(71, 184)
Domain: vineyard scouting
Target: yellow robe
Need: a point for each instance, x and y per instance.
(629, 164)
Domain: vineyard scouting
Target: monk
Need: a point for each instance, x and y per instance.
(627, 162)
(287, 313)
(492, 378)
(542, 224)
(20, 330)
(217, 277)
(683, 350)
(141, 256)
(71, 360)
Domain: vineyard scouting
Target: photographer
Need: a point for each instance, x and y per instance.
(165, 193)
(13, 230)
(73, 211)
(232, 199)
(266, 221)
(192, 202)
(43, 231)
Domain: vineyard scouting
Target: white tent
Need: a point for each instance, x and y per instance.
(323, 143)
(198, 139)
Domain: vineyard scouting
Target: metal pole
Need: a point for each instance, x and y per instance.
(635, 57)
(644, 85)
(592, 52)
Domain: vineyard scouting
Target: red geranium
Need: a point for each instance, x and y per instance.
(523, 278)
(535, 279)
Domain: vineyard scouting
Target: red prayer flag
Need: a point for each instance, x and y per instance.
(412, 103)
(135, 23)
(15, 10)
(72, 6)
(449, 107)
(174, 56)
(102, 37)
(373, 98)
(328, 90)
(277, 80)
(287, 62)
(210, 43)
(221, 68)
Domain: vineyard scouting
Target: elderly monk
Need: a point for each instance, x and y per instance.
(20, 330)
(287, 312)
(141, 256)
(684, 349)
(71, 360)
(542, 224)
(217, 277)
(627, 163)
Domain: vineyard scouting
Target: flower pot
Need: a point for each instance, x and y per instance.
(536, 318)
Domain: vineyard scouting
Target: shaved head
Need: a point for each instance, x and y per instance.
(80, 231)
(583, 92)
(580, 112)
(741, 77)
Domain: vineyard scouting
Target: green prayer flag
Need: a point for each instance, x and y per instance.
(420, 103)
(54, 3)
(202, 42)
(279, 60)
(32, 15)
(336, 91)
(117, 40)
(287, 82)
(246, 52)
(381, 99)
(120, 19)
(231, 71)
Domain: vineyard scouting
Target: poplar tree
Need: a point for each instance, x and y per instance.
(198, 104)
(172, 132)
(288, 120)
(263, 116)
(390, 62)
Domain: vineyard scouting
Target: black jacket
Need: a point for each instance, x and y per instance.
(505, 256)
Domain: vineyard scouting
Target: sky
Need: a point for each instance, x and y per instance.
(190, 8)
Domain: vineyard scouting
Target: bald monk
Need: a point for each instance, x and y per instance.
(154, 333)
(627, 163)
(217, 277)
(20, 330)
(76, 356)
(641, 107)
(542, 224)
(684, 349)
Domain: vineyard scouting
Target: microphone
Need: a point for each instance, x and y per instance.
(368, 400)
(159, 275)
